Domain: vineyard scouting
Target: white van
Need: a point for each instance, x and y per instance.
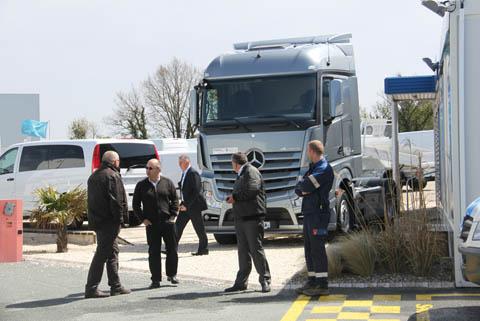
(26, 167)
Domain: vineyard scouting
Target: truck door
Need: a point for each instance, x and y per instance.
(332, 126)
(350, 117)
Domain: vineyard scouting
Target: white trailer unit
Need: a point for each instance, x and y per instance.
(457, 113)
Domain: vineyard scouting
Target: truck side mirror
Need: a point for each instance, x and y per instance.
(194, 107)
(336, 103)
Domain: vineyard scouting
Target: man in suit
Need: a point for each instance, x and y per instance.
(155, 202)
(192, 204)
(107, 205)
(248, 201)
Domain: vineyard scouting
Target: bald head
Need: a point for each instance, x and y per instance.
(153, 169)
(110, 157)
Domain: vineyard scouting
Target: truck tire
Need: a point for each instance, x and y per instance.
(415, 185)
(346, 217)
(133, 220)
(225, 239)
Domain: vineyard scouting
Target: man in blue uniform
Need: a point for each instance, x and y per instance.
(315, 189)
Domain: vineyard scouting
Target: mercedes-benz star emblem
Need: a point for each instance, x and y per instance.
(256, 158)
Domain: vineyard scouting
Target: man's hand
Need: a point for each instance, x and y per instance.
(147, 222)
(305, 193)
(230, 199)
(183, 208)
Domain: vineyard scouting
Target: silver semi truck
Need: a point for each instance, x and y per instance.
(268, 99)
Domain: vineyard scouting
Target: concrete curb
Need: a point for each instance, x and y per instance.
(213, 282)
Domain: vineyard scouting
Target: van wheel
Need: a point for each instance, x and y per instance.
(225, 239)
(346, 219)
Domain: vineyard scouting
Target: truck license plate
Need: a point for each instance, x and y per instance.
(266, 225)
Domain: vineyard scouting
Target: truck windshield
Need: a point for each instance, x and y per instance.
(273, 98)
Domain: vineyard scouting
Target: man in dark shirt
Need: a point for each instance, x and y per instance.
(249, 206)
(155, 202)
(107, 205)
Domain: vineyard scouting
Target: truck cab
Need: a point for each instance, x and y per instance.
(269, 99)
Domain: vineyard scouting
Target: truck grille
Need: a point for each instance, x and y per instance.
(280, 173)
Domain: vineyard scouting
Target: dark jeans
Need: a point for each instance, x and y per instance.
(155, 234)
(198, 226)
(249, 241)
(315, 232)
(106, 253)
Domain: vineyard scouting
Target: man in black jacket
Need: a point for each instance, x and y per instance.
(155, 202)
(249, 208)
(192, 204)
(107, 205)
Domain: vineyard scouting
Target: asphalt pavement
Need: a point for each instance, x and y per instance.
(33, 290)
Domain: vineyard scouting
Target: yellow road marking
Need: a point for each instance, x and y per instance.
(296, 308)
(353, 316)
(327, 309)
(385, 309)
(321, 319)
(420, 308)
(429, 297)
(333, 298)
(387, 297)
(357, 303)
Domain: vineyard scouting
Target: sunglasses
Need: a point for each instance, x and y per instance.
(150, 168)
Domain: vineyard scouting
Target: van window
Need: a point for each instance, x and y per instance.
(66, 156)
(34, 158)
(51, 157)
(131, 154)
(7, 161)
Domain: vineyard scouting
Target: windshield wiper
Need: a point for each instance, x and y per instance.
(288, 120)
(136, 166)
(242, 123)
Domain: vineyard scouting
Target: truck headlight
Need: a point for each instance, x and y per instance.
(209, 196)
(476, 233)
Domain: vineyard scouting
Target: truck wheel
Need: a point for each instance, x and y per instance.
(346, 217)
(225, 239)
(133, 220)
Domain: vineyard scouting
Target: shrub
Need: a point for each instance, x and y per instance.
(335, 264)
(359, 252)
(60, 210)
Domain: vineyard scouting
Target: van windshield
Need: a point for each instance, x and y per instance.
(131, 154)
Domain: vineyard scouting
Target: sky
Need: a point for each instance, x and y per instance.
(78, 53)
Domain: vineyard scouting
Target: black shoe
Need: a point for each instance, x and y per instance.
(236, 288)
(266, 287)
(310, 283)
(199, 253)
(119, 291)
(173, 279)
(154, 285)
(316, 290)
(96, 294)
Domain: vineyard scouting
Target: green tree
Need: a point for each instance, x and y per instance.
(81, 128)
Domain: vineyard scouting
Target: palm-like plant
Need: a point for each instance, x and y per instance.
(59, 210)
